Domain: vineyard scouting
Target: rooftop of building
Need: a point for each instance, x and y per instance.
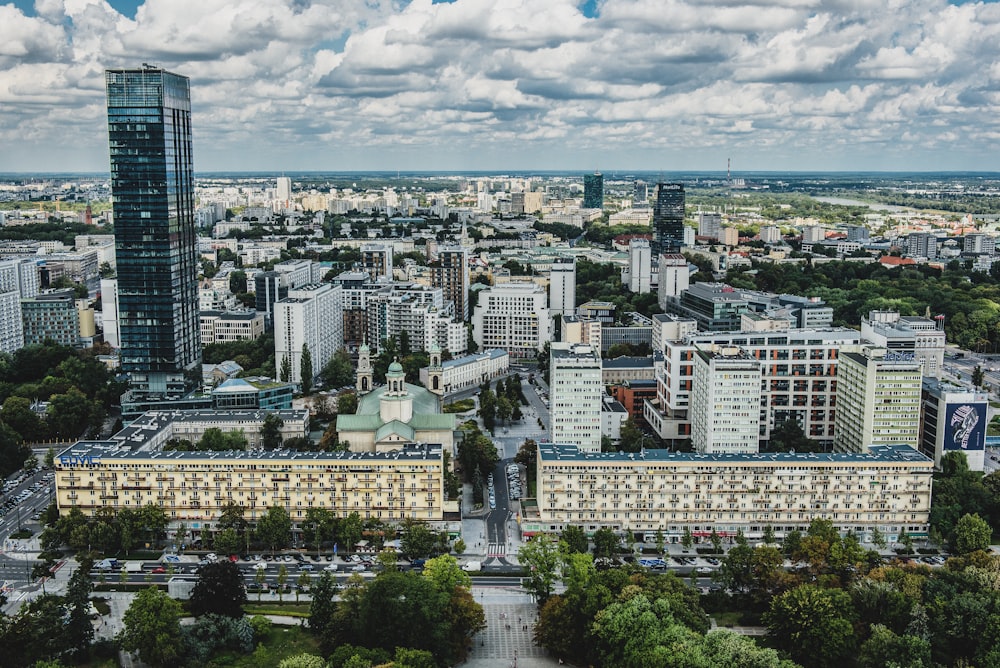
(566, 351)
(152, 422)
(80, 452)
(877, 453)
(492, 353)
(234, 385)
(627, 362)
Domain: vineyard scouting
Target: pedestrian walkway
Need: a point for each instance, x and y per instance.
(496, 550)
(508, 635)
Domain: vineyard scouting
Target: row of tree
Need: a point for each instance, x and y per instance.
(504, 404)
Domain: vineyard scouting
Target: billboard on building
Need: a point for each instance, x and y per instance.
(965, 426)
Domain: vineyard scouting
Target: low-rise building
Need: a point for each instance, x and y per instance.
(224, 327)
(470, 370)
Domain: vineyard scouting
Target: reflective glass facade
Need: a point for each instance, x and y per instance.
(668, 218)
(152, 182)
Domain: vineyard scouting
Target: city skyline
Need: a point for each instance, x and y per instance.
(475, 85)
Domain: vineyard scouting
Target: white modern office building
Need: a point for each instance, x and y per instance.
(311, 315)
(923, 337)
(878, 399)
(576, 390)
(725, 401)
(798, 378)
(512, 316)
(639, 273)
(562, 287)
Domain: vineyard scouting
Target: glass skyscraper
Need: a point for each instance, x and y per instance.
(593, 191)
(668, 218)
(152, 184)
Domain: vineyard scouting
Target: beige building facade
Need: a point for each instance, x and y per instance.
(888, 487)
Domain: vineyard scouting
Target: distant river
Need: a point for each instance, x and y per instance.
(853, 202)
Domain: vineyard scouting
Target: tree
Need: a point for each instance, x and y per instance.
(285, 373)
(303, 660)
(347, 403)
(769, 535)
(318, 525)
(605, 543)
(716, 541)
(152, 628)
(270, 431)
(878, 538)
(417, 540)
(227, 541)
(541, 557)
(446, 574)
(322, 606)
(575, 539)
(338, 371)
(219, 590)
(238, 282)
(736, 571)
(660, 540)
(282, 580)
(78, 628)
(631, 436)
(306, 369)
(274, 528)
(303, 583)
(350, 530)
(885, 648)
(813, 625)
(978, 377)
(640, 632)
(971, 533)
(687, 540)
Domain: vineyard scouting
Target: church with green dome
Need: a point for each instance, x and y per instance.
(397, 413)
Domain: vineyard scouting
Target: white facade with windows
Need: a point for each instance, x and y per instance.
(512, 316)
(562, 286)
(878, 399)
(311, 315)
(725, 401)
(576, 390)
(888, 488)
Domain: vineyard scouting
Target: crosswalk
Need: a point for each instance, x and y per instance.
(496, 550)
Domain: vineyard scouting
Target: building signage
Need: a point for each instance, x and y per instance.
(965, 426)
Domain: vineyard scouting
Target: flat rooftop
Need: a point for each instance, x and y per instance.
(877, 453)
(91, 450)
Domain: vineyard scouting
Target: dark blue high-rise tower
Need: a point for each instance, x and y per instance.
(152, 184)
(593, 191)
(668, 218)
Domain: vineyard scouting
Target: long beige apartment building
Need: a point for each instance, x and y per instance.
(191, 487)
(888, 487)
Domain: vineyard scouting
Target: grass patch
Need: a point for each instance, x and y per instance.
(274, 608)
(281, 643)
(460, 406)
(102, 605)
(23, 533)
(727, 619)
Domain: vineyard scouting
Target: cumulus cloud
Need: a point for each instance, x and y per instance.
(286, 84)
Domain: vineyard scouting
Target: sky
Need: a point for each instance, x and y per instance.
(345, 85)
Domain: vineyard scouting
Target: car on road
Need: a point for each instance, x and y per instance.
(330, 568)
(703, 570)
(306, 567)
(159, 569)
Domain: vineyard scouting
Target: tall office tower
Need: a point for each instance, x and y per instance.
(152, 183)
(593, 191)
(376, 259)
(640, 266)
(674, 278)
(284, 191)
(668, 218)
(725, 401)
(709, 224)
(921, 244)
(878, 399)
(450, 272)
(562, 287)
(640, 195)
(11, 326)
(19, 275)
(576, 389)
